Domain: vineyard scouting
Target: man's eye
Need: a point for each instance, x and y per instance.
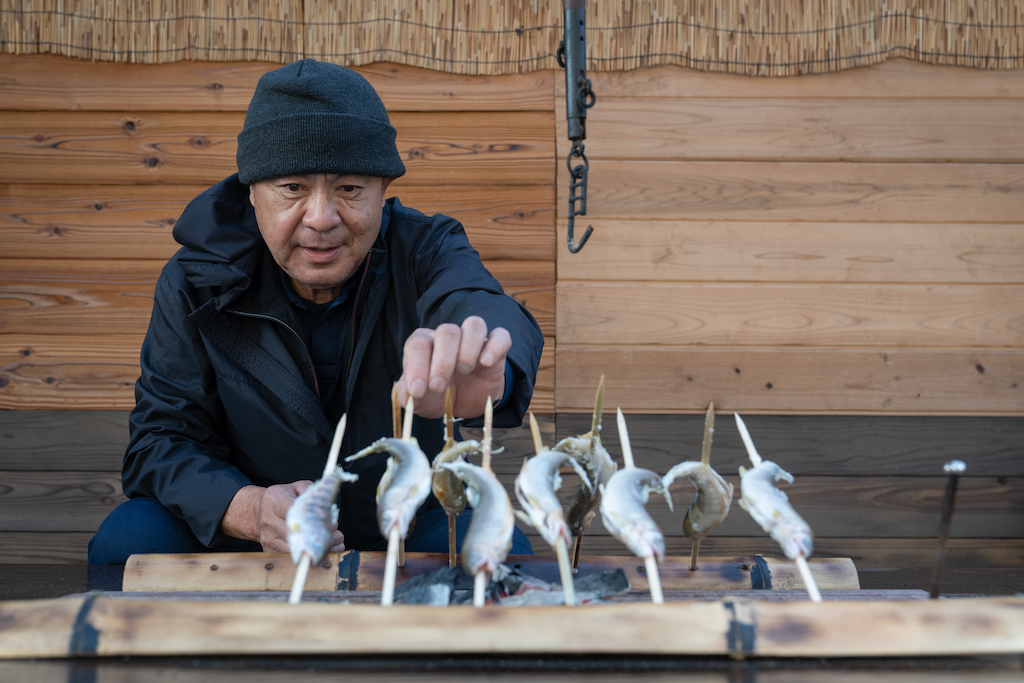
(293, 187)
(348, 188)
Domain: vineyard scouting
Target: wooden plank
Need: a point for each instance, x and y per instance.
(122, 627)
(809, 381)
(50, 82)
(736, 128)
(846, 445)
(801, 191)
(866, 553)
(92, 297)
(51, 547)
(364, 571)
(94, 440)
(730, 251)
(853, 507)
(58, 501)
(118, 148)
(906, 77)
(812, 314)
(135, 221)
(66, 372)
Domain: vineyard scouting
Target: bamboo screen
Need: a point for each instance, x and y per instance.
(755, 37)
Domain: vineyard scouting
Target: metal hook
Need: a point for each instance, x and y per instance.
(573, 248)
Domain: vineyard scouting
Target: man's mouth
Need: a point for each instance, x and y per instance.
(320, 254)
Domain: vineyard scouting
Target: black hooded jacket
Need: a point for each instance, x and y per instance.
(227, 395)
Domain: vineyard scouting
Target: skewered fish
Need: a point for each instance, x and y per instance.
(623, 513)
(489, 537)
(447, 487)
(312, 515)
(404, 485)
(535, 488)
(599, 467)
(711, 503)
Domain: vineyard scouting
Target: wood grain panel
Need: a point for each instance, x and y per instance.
(802, 191)
(802, 129)
(64, 372)
(93, 297)
(54, 440)
(647, 379)
(866, 553)
(790, 315)
(706, 251)
(860, 507)
(52, 547)
(58, 501)
(441, 148)
(823, 444)
(135, 221)
(905, 77)
(50, 82)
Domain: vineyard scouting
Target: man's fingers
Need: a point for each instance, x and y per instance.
(495, 351)
(419, 348)
(474, 336)
(445, 354)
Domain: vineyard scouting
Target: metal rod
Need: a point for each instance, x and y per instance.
(953, 468)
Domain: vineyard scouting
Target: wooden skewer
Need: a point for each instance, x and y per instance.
(595, 423)
(627, 450)
(565, 570)
(449, 432)
(809, 582)
(485, 447)
(480, 589)
(654, 580)
(406, 435)
(387, 595)
(538, 441)
(705, 458)
(396, 412)
(302, 570)
(481, 579)
(577, 544)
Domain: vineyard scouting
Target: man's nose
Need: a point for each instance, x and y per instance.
(321, 212)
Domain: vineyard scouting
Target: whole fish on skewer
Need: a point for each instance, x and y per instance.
(599, 466)
(714, 494)
(448, 488)
(771, 509)
(622, 510)
(404, 485)
(312, 515)
(489, 537)
(535, 487)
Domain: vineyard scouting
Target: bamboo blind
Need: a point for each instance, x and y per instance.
(754, 37)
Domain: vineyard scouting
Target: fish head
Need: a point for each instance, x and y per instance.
(797, 542)
(399, 513)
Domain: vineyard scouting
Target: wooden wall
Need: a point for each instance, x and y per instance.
(840, 258)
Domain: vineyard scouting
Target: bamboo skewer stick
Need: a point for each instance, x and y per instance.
(705, 458)
(809, 582)
(396, 412)
(449, 431)
(407, 435)
(595, 428)
(565, 569)
(302, 570)
(387, 595)
(481, 579)
(650, 563)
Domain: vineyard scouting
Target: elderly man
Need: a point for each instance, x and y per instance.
(301, 294)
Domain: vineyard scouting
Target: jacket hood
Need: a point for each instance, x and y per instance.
(221, 240)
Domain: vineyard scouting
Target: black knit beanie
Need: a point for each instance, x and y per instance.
(316, 117)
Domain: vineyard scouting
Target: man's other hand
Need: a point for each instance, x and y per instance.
(258, 514)
(467, 358)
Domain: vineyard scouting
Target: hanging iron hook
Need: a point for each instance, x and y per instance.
(579, 96)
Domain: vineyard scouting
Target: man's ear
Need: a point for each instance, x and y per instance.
(252, 191)
(384, 188)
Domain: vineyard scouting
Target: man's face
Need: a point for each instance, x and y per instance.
(319, 227)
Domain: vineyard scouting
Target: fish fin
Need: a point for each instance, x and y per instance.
(584, 479)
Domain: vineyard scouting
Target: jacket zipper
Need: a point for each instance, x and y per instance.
(309, 358)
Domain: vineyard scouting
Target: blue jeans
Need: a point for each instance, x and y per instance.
(142, 525)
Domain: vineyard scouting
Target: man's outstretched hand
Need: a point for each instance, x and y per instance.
(466, 358)
(258, 514)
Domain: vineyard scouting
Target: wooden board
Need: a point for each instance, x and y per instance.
(801, 191)
(650, 379)
(508, 222)
(812, 314)
(364, 570)
(754, 251)
(438, 148)
(96, 625)
(51, 82)
(792, 129)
